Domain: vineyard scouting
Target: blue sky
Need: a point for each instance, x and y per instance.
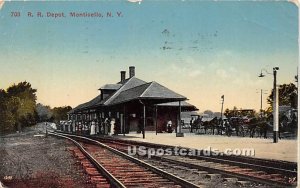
(201, 49)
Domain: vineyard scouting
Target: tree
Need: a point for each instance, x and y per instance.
(61, 113)
(18, 108)
(44, 112)
(21, 103)
(26, 99)
(209, 113)
(7, 121)
(217, 114)
(287, 95)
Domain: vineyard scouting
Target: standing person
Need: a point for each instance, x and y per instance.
(265, 128)
(106, 126)
(169, 126)
(101, 128)
(140, 125)
(112, 126)
(191, 124)
(93, 128)
(227, 128)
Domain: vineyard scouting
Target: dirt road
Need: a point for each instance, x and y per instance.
(29, 159)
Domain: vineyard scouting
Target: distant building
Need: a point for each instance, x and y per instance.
(132, 104)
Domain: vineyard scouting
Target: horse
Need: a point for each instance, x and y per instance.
(253, 123)
(259, 126)
(263, 128)
(197, 124)
(212, 124)
(237, 125)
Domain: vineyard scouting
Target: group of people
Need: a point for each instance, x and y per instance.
(106, 126)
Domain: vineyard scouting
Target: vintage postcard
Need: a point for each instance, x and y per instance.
(149, 93)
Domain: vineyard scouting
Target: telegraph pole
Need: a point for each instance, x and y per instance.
(261, 115)
(222, 97)
(261, 103)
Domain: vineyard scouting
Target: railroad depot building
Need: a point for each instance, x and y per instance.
(132, 105)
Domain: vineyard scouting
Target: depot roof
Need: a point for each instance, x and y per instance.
(133, 89)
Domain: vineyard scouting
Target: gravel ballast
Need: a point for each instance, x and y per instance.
(32, 160)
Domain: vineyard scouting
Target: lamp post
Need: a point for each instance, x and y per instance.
(275, 104)
(275, 107)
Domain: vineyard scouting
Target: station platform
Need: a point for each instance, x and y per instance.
(285, 149)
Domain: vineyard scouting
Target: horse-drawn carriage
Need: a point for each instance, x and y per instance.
(207, 125)
(245, 125)
(233, 125)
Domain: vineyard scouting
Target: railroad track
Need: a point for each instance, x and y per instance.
(287, 167)
(222, 170)
(112, 168)
(262, 172)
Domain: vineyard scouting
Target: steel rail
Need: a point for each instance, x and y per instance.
(112, 180)
(228, 161)
(249, 165)
(154, 169)
(225, 173)
(236, 160)
(237, 175)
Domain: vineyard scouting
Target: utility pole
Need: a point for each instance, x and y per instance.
(222, 97)
(275, 107)
(261, 103)
(275, 103)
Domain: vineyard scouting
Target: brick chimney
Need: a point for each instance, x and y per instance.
(123, 76)
(131, 71)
